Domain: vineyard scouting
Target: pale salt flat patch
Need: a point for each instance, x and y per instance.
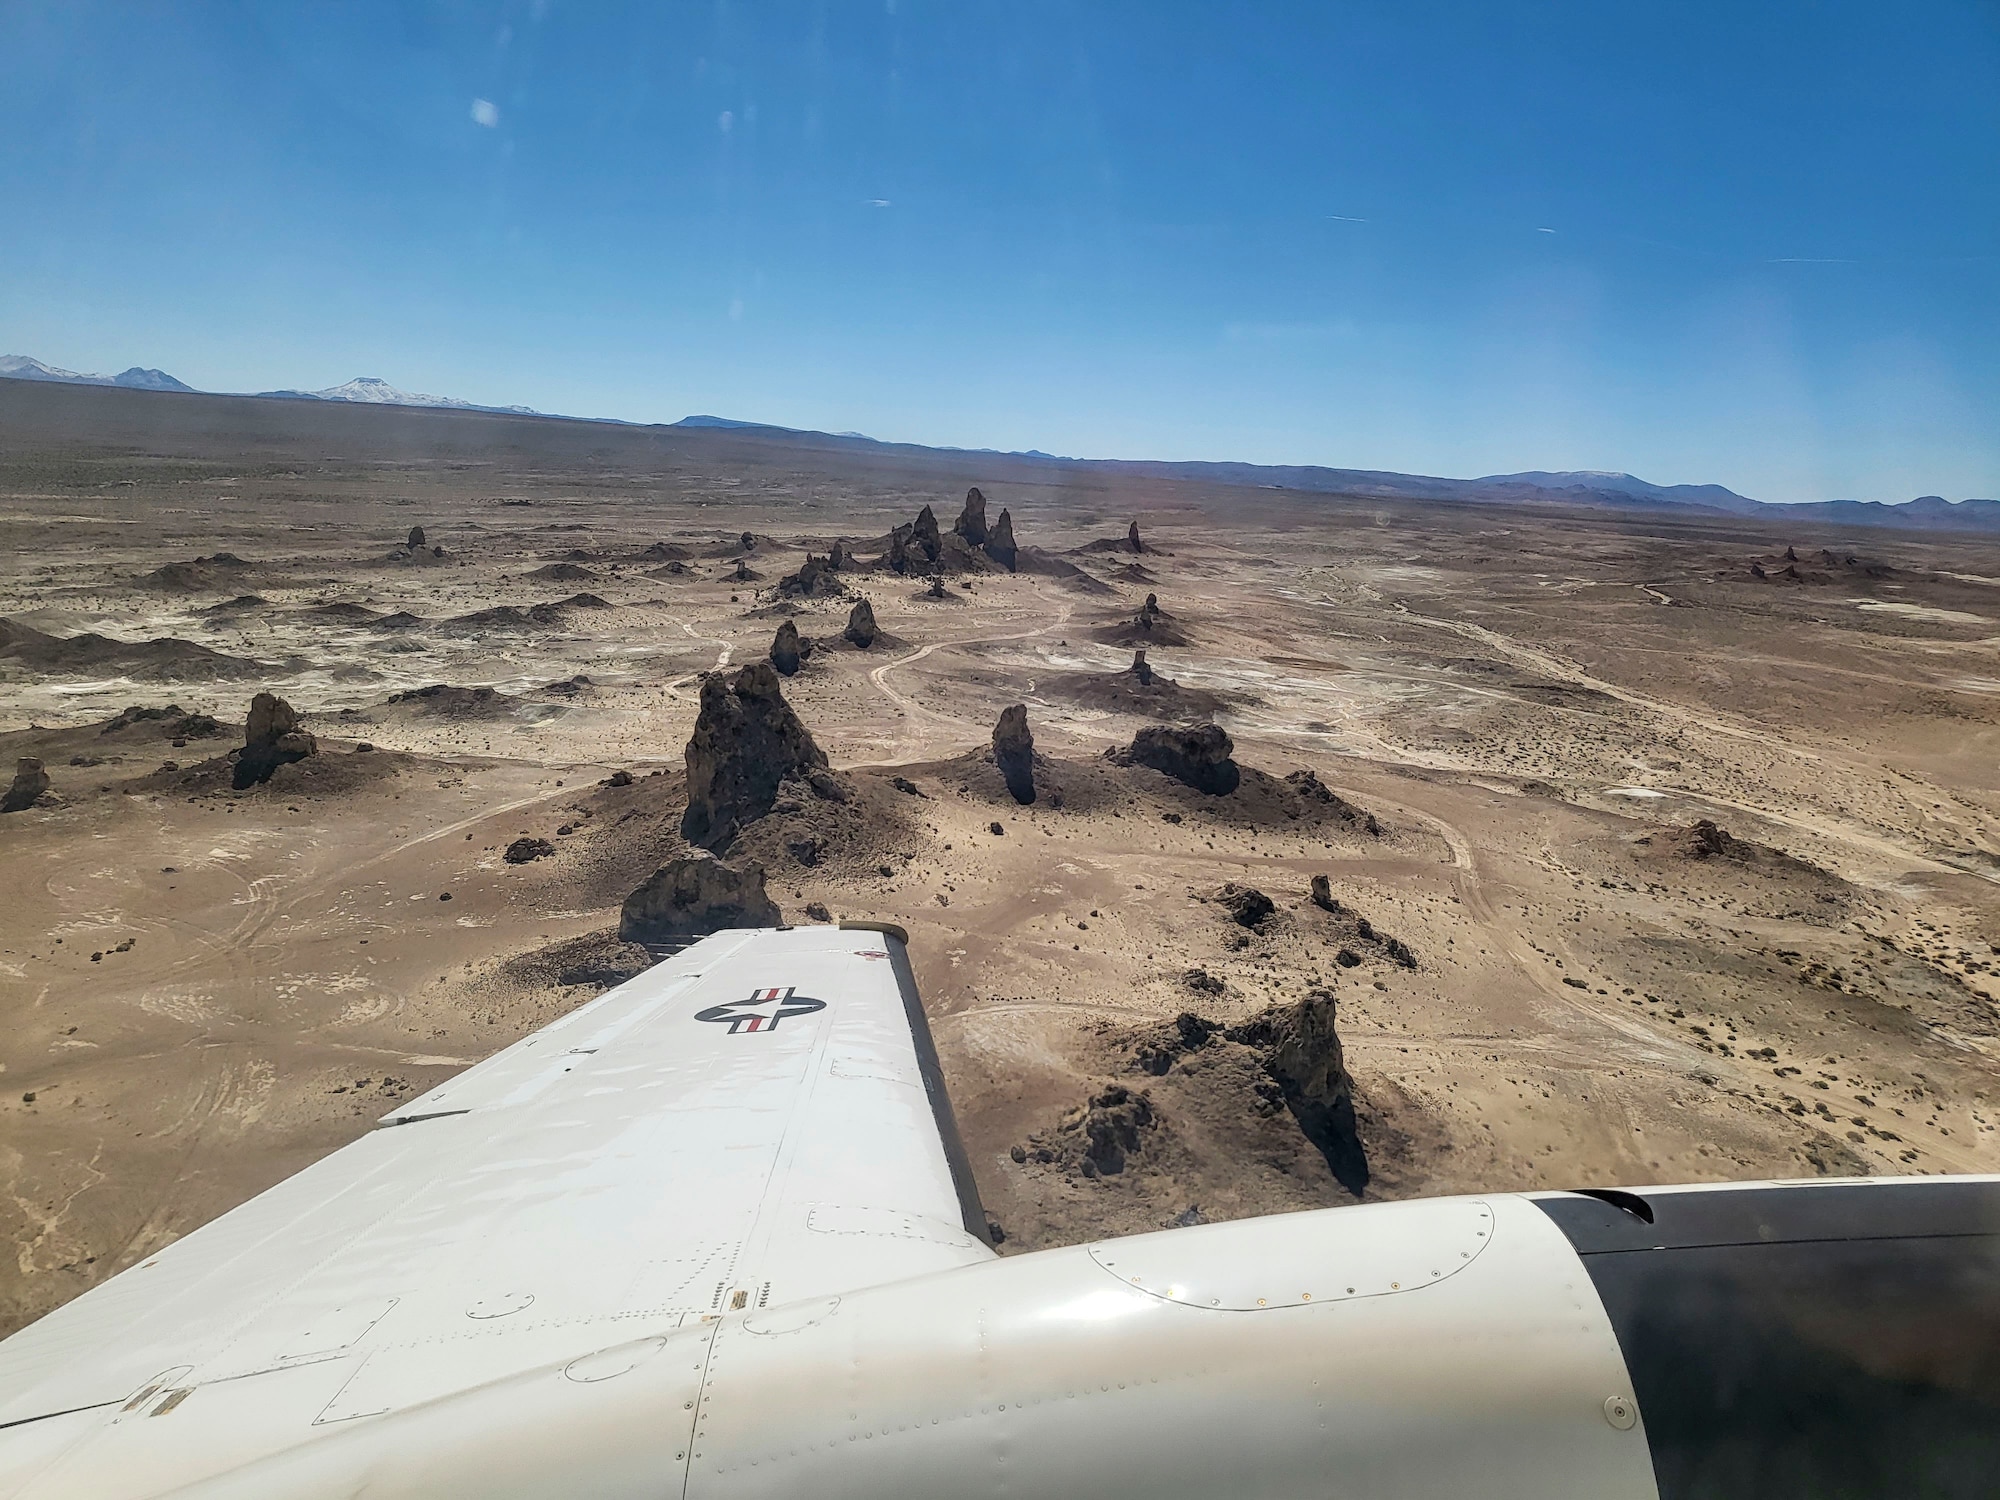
(1993, 583)
(1919, 611)
(1975, 684)
(85, 689)
(1632, 791)
(428, 1060)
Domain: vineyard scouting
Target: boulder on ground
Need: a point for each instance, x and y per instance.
(1000, 542)
(1247, 906)
(526, 850)
(746, 741)
(971, 522)
(787, 651)
(690, 898)
(271, 738)
(1014, 752)
(1196, 754)
(31, 780)
(1113, 1126)
(861, 624)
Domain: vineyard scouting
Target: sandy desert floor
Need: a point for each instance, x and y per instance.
(203, 989)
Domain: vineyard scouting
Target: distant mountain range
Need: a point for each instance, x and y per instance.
(20, 367)
(372, 391)
(1583, 487)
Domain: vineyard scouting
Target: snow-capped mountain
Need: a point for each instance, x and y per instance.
(377, 392)
(20, 367)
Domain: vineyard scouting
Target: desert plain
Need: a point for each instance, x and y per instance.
(1657, 845)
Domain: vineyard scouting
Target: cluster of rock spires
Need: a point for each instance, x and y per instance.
(271, 738)
(920, 546)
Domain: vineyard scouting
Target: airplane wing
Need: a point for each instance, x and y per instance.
(756, 1121)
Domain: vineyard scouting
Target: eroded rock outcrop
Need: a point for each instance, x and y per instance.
(690, 898)
(271, 738)
(971, 522)
(31, 780)
(1132, 538)
(1140, 669)
(925, 539)
(787, 651)
(814, 579)
(1000, 542)
(746, 741)
(1303, 1055)
(861, 624)
(1014, 752)
(1198, 755)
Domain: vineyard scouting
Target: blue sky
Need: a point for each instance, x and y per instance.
(1751, 244)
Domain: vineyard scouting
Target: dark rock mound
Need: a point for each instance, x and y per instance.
(1247, 906)
(746, 742)
(271, 738)
(861, 625)
(596, 960)
(30, 782)
(1199, 755)
(1014, 752)
(526, 850)
(1149, 626)
(534, 617)
(402, 619)
(788, 651)
(1127, 543)
(563, 572)
(242, 604)
(171, 722)
(1137, 690)
(690, 898)
(442, 700)
(166, 659)
(1703, 839)
(415, 539)
(1099, 1138)
(202, 575)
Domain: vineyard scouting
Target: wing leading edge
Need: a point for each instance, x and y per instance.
(756, 1121)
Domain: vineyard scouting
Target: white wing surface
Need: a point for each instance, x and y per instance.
(756, 1121)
